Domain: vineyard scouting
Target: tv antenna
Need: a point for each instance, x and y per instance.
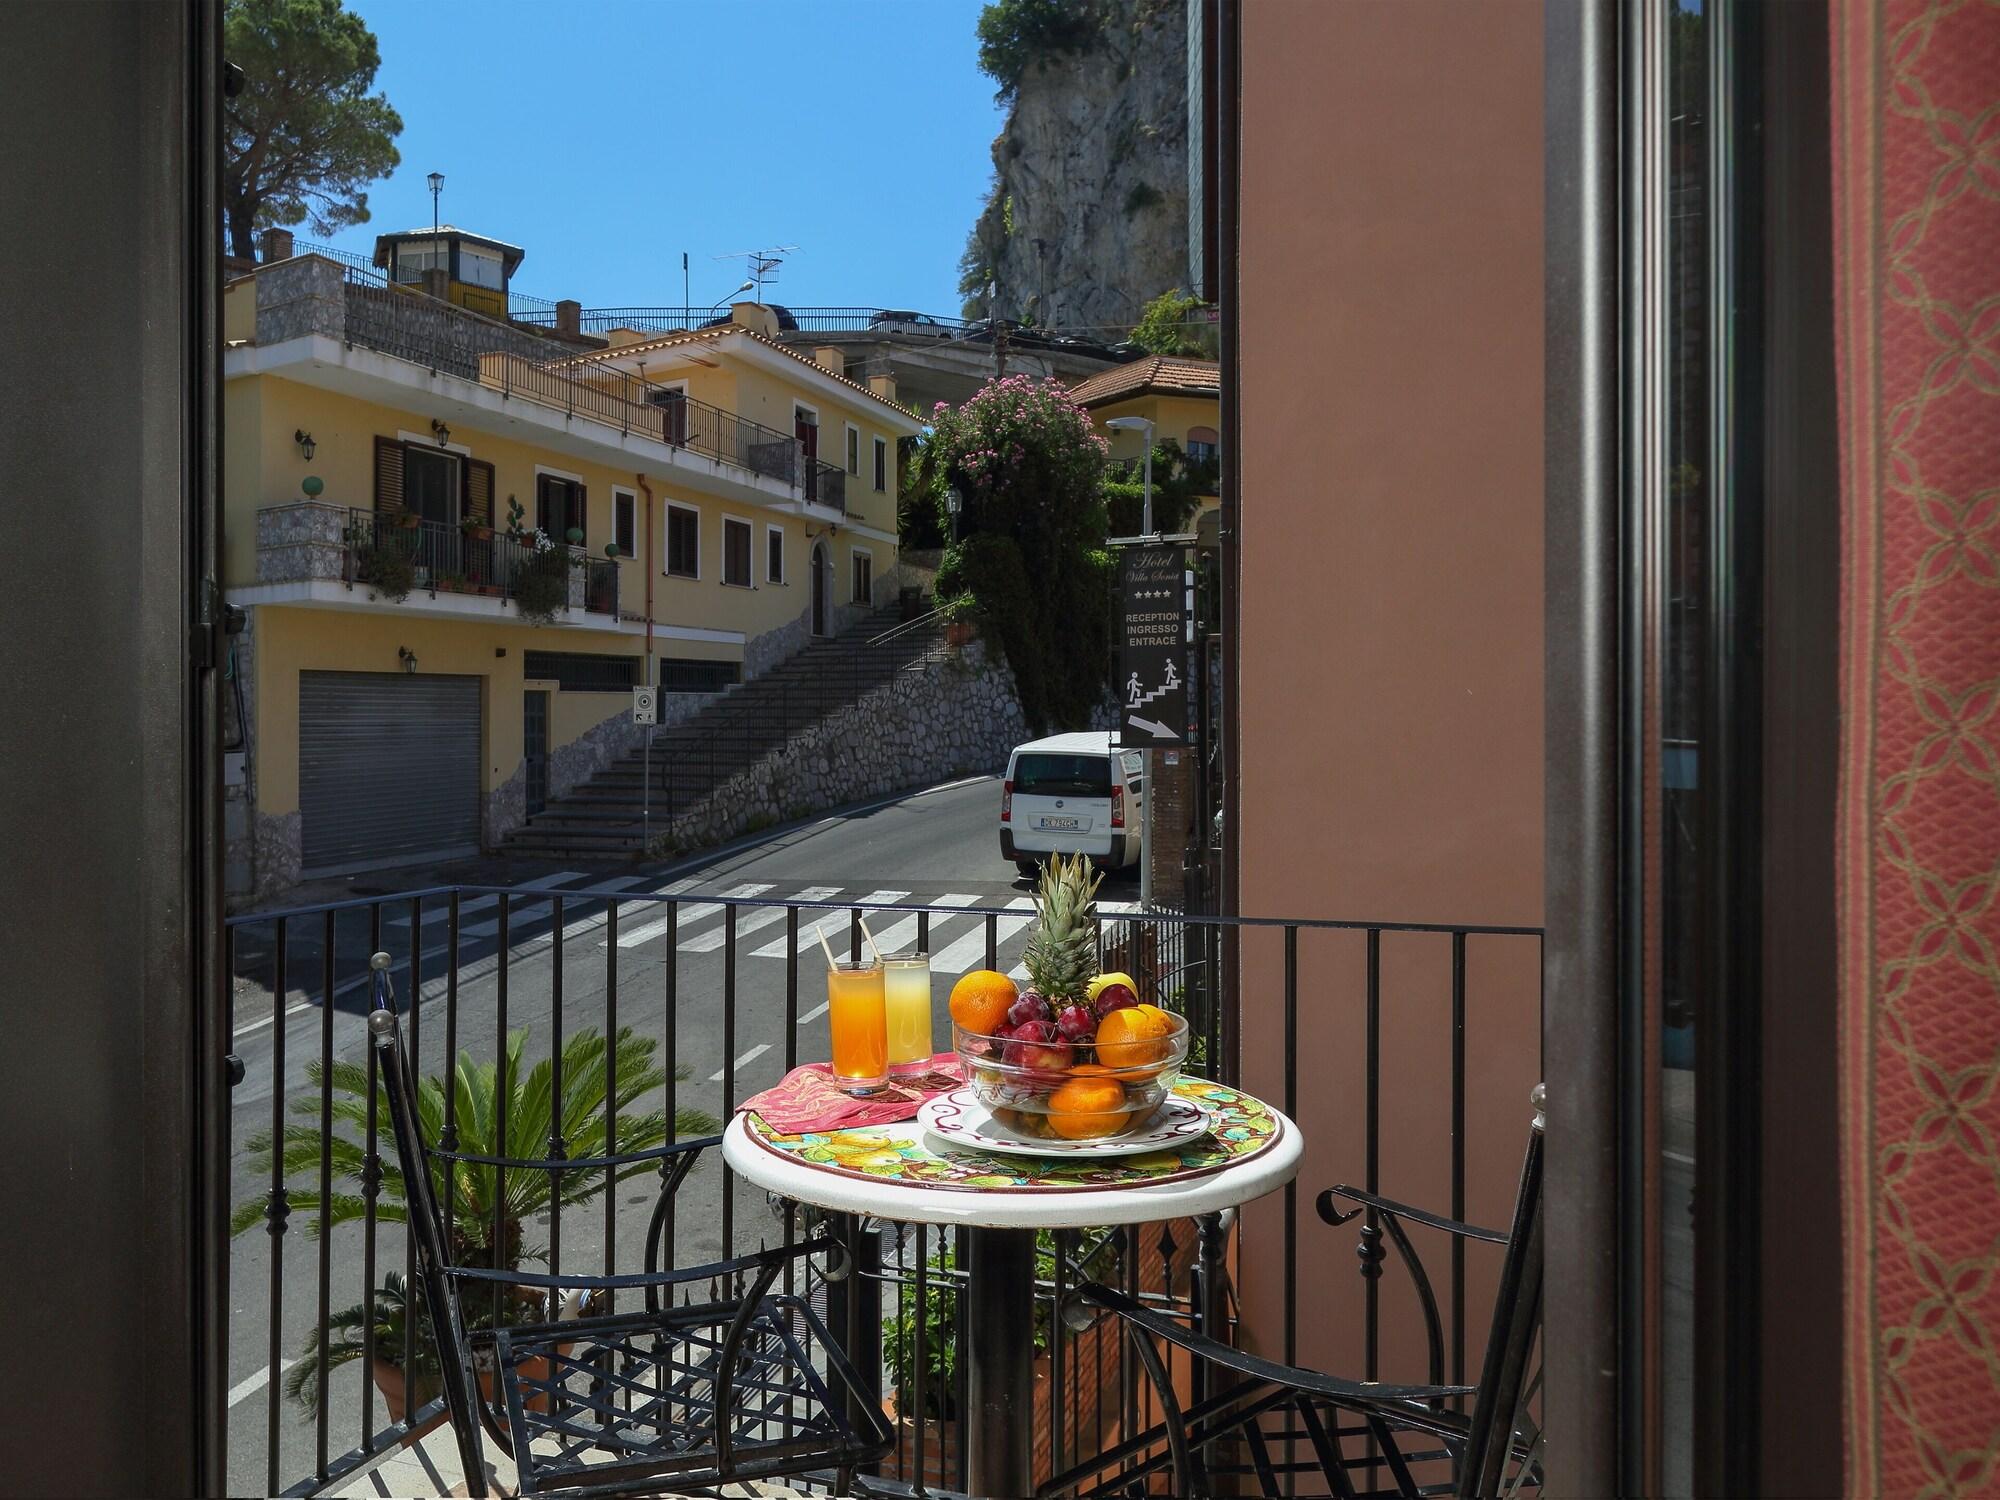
(760, 265)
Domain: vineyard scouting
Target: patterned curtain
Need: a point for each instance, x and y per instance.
(1916, 114)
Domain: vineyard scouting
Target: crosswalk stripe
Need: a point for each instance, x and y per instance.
(645, 932)
(904, 933)
(962, 954)
(737, 1067)
(753, 921)
(436, 910)
(599, 914)
(809, 923)
(521, 912)
(550, 882)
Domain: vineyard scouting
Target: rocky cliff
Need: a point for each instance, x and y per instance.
(1087, 219)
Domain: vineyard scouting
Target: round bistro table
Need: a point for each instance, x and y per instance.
(904, 1173)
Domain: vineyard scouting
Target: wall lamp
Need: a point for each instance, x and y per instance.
(440, 431)
(407, 657)
(305, 441)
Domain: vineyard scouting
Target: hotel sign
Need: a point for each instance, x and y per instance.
(1155, 631)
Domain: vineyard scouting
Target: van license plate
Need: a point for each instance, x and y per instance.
(1057, 824)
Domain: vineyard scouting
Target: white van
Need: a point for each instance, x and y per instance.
(1073, 794)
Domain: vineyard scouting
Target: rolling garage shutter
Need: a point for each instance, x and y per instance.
(388, 768)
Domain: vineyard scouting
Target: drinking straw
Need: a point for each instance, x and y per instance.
(869, 935)
(819, 931)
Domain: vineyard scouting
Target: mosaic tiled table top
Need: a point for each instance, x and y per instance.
(1242, 1127)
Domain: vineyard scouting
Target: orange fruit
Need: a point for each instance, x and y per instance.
(1087, 1107)
(1133, 1037)
(979, 1001)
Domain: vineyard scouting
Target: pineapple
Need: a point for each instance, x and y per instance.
(1061, 958)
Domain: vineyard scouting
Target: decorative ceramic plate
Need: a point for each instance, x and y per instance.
(1239, 1127)
(959, 1119)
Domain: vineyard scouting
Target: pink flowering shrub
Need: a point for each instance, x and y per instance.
(1030, 562)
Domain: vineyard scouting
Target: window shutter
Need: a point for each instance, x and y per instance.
(479, 491)
(388, 475)
(544, 522)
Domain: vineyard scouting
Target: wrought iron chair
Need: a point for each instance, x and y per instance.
(1352, 1433)
(735, 1384)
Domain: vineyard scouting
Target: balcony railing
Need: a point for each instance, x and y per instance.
(826, 484)
(602, 320)
(631, 405)
(1394, 1015)
(388, 551)
(361, 308)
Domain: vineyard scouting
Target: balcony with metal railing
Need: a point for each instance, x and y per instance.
(545, 974)
(386, 559)
(312, 295)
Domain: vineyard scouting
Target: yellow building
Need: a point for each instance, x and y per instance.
(388, 461)
(1181, 397)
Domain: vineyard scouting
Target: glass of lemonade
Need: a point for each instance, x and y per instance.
(906, 991)
(859, 1023)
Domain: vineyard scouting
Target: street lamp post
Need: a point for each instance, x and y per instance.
(436, 180)
(1145, 425)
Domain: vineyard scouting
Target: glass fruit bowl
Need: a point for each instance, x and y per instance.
(1078, 1091)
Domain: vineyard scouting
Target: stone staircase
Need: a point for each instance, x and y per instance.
(603, 817)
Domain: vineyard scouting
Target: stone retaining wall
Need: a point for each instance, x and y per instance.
(958, 715)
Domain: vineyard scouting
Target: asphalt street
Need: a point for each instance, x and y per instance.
(936, 849)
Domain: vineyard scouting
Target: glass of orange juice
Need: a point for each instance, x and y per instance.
(858, 1018)
(906, 990)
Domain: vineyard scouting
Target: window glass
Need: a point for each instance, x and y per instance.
(864, 578)
(1059, 775)
(622, 524)
(414, 257)
(774, 556)
(430, 485)
(683, 542)
(736, 552)
(854, 452)
(1683, 595)
(881, 465)
(477, 267)
(558, 507)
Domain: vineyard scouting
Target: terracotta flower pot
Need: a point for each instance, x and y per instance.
(391, 1381)
(957, 632)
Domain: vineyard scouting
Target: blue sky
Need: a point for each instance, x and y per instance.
(607, 136)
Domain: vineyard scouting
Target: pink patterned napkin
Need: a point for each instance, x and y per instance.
(809, 1099)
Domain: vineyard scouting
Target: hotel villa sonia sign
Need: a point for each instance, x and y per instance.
(1155, 631)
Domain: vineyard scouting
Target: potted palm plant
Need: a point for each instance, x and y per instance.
(489, 1211)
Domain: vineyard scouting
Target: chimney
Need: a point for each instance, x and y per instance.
(754, 316)
(569, 317)
(277, 245)
(829, 358)
(883, 386)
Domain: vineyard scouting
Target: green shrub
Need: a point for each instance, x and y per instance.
(1141, 196)
(1028, 468)
(541, 581)
(1167, 324)
(1016, 35)
(387, 568)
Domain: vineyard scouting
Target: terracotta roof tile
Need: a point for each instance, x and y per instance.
(1158, 374)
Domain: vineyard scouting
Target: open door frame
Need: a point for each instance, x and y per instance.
(117, 1032)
